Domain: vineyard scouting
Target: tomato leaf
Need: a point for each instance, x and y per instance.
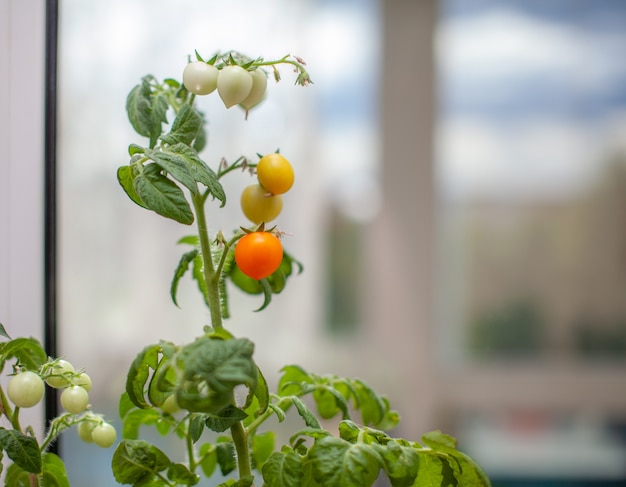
(162, 195)
(400, 462)
(309, 418)
(136, 461)
(142, 369)
(22, 449)
(28, 352)
(185, 127)
(126, 179)
(181, 269)
(262, 448)
(146, 110)
(267, 294)
(337, 462)
(443, 463)
(181, 475)
(208, 459)
(198, 275)
(212, 368)
(17, 477)
(223, 420)
(171, 161)
(226, 459)
(3, 332)
(283, 469)
(54, 474)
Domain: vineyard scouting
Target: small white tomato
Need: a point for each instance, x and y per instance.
(200, 78)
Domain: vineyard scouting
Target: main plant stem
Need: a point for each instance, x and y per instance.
(211, 277)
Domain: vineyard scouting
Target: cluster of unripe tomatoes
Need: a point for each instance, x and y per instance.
(26, 389)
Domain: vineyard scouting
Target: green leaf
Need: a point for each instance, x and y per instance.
(22, 449)
(162, 195)
(267, 294)
(135, 418)
(223, 420)
(54, 474)
(337, 462)
(28, 352)
(181, 474)
(208, 459)
(169, 159)
(181, 269)
(146, 110)
(283, 469)
(401, 463)
(212, 367)
(126, 178)
(225, 450)
(141, 370)
(370, 405)
(198, 276)
(262, 448)
(443, 463)
(261, 393)
(202, 173)
(309, 418)
(17, 477)
(136, 461)
(292, 379)
(185, 127)
(3, 332)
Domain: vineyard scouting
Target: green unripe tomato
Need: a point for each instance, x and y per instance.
(83, 380)
(25, 389)
(104, 435)
(200, 78)
(234, 84)
(60, 371)
(258, 205)
(85, 430)
(74, 399)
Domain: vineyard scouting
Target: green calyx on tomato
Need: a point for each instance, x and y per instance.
(275, 173)
(258, 254)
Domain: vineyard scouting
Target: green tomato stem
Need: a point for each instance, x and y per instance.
(211, 278)
(240, 439)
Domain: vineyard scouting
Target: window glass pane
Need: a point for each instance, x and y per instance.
(531, 172)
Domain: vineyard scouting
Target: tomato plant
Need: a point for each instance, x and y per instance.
(258, 205)
(210, 393)
(213, 385)
(275, 173)
(32, 463)
(258, 254)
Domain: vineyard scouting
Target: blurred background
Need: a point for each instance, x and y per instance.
(458, 207)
